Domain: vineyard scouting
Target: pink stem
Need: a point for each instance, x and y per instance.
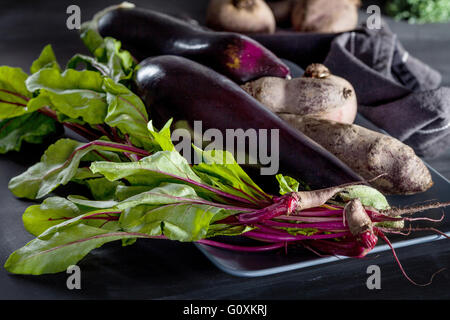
(133, 157)
(323, 226)
(309, 219)
(276, 237)
(16, 94)
(79, 129)
(382, 236)
(318, 213)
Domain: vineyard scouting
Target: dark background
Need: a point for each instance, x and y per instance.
(166, 270)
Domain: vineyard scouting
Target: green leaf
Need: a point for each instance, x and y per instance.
(103, 189)
(301, 231)
(162, 137)
(369, 196)
(51, 212)
(119, 63)
(55, 210)
(100, 188)
(52, 79)
(220, 169)
(32, 128)
(173, 210)
(400, 224)
(61, 117)
(218, 182)
(93, 41)
(76, 94)
(169, 193)
(101, 154)
(287, 184)
(84, 174)
(58, 166)
(419, 11)
(60, 247)
(93, 204)
(163, 166)
(182, 222)
(47, 59)
(108, 50)
(124, 192)
(127, 112)
(90, 63)
(227, 230)
(14, 95)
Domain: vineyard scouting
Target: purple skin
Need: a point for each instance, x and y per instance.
(178, 88)
(147, 33)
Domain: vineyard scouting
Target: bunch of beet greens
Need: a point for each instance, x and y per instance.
(141, 187)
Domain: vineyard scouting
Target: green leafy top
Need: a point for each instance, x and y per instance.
(21, 123)
(369, 196)
(420, 11)
(14, 95)
(219, 169)
(287, 184)
(47, 59)
(31, 128)
(110, 59)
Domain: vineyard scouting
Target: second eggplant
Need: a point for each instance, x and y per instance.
(148, 33)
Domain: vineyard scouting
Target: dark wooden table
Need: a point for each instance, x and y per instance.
(166, 270)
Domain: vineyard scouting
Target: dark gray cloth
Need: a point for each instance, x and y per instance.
(396, 91)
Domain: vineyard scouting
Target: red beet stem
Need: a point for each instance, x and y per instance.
(310, 219)
(320, 226)
(383, 236)
(288, 237)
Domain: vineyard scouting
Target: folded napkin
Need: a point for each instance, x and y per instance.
(396, 91)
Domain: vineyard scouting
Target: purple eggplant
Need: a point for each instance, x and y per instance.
(302, 48)
(148, 33)
(178, 88)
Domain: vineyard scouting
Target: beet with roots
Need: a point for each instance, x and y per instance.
(318, 93)
(325, 16)
(243, 16)
(369, 153)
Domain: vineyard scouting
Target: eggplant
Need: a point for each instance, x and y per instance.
(148, 33)
(186, 91)
(302, 48)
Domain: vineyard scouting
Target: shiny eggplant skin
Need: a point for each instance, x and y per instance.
(147, 33)
(178, 88)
